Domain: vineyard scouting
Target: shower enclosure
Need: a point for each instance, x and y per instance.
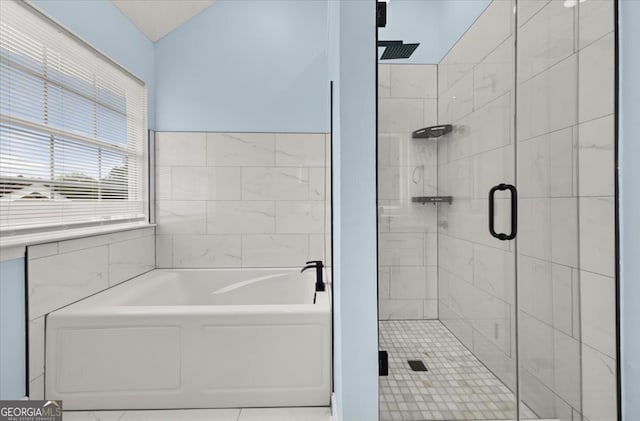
(497, 240)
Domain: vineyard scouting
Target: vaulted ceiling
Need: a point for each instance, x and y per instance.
(156, 18)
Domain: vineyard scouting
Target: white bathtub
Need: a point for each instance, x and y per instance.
(194, 338)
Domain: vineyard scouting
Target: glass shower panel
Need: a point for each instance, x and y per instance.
(407, 230)
(480, 321)
(476, 271)
(565, 179)
(446, 286)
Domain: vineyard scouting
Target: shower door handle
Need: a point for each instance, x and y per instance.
(514, 212)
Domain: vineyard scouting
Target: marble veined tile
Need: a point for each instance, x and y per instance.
(99, 240)
(181, 217)
(457, 101)
(400, 115)
(202, 251)
(528, 8)
(300, 149)
(36, 348)
(180, 148)
(597, 235)
(384, 80)
(163, 183)
(494, 75)
(547, 101)
(42, 250)
(383, 282)
(260, 183)
(401, 309)
(205, 183)
(401, 249)
(299, 217)
(597, 79)
(288, 250)
(164, 251)
(596, 18)
(241, 217)
(545, 39)
(407, 282)
(56, 281)
(402, 150)
(240, 149)
(598, 385)
(596, 157)
(414, 81)
(130, 258)
(598, 312)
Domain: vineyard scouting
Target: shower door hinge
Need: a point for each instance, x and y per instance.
(383, 363)
(381, 14)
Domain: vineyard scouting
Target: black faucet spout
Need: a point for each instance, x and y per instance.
(308, 267)
(318, 265)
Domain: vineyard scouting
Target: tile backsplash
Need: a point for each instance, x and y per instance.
(241, 199)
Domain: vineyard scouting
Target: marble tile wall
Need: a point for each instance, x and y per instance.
(64, 272)
(477, 271)
(241, 199)
(407, 233)
(566, 247)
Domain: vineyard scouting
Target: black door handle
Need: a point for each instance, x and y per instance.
(514, 212)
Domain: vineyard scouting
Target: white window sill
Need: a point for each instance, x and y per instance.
(31, 239)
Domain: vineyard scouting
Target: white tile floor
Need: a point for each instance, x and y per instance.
(247, 414)
(456, 387)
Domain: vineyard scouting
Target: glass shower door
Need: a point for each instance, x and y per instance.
(497, 239)
(476, 270)
(565, 179)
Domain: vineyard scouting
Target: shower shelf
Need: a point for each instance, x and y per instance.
(432, 132)
(432, 199)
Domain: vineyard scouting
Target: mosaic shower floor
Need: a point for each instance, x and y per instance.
(457, 386)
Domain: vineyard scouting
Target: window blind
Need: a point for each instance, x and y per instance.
(73, 128)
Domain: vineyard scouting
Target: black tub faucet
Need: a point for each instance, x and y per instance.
(318, 265)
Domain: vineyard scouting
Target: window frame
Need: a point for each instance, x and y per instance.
(139, 152)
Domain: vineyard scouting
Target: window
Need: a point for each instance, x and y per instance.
(73, 128)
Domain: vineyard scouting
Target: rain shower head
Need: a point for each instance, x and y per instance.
(396, 49)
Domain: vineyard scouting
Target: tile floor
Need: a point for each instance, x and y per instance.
(456, 387)
(247, 414)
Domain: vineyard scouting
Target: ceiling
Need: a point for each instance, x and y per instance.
(156, 18)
